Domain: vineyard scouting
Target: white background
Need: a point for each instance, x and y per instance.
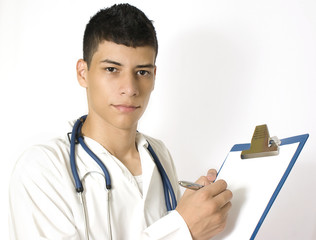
(224, 66)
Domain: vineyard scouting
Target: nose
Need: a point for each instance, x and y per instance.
(129, 86)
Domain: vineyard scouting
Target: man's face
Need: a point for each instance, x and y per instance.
(118, 83)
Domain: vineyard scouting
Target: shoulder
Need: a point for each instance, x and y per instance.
(158, 145)
(160, 149)
(41, 185)
(39, 160)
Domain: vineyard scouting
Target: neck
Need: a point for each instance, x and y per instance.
(115, 140)
(121, 143)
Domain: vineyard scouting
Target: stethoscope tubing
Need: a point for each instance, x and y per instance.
(168, 189)
(79, 187)
(76, 137)
(95, 158)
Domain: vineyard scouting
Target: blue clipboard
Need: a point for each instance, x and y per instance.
(255, 196)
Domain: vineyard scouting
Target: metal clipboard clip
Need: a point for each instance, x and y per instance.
(262, 145)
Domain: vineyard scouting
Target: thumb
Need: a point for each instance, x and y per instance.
(212, 175)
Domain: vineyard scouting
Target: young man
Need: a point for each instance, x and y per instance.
(118, 71)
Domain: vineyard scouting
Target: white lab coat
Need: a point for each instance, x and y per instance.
(45, 205)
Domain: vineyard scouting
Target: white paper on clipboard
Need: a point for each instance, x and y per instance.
(255, 184)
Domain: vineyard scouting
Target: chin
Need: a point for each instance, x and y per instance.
(126, 125)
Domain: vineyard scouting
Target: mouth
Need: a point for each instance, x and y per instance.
(125, 108)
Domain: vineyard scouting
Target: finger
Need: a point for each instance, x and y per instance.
(225, 209)
(211, 175)
(216, 188)
(223, 213)
(203, 180)
(223, 198)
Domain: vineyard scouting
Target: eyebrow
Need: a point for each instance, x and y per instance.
(111, 62)
(145, 66)
(120, 64)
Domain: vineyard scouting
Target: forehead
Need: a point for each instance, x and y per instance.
(124, 54)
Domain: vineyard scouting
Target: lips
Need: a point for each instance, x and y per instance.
(125, 108)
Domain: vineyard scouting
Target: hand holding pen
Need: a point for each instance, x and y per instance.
(205, 211)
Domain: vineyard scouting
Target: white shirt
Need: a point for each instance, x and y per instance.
(45, 205)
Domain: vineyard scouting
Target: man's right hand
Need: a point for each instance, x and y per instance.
(205, 210)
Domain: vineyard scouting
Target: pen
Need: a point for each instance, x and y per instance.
(190, 185)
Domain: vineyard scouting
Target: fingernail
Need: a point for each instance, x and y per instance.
(211, 176)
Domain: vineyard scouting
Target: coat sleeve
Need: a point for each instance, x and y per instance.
(170, 227)
(39, 204)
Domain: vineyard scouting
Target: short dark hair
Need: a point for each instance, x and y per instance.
(121, 24)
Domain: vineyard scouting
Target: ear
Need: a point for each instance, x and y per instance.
(155, 70)
(82, 70)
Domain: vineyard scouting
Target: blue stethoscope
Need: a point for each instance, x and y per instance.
(77, 137)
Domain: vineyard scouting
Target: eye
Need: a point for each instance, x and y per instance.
(143, 72)
(111, 69)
